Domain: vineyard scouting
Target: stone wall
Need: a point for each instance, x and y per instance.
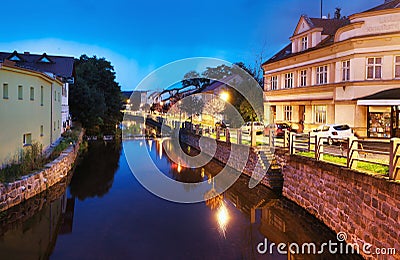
(365, 207)
(244, 158)
(14, 193)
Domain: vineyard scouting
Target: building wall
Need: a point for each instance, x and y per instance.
(356, 42)
(19, 117)
(65, 108)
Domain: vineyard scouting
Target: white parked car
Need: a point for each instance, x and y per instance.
(258, 127)
(333, 133)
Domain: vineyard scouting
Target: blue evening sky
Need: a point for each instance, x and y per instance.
(140, 36)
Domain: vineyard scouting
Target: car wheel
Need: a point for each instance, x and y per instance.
(330, 141)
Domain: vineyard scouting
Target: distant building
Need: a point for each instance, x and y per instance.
(135, 100)
(333, 67)
(30, 109)
(59, 66)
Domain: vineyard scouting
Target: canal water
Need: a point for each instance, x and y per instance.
(102, 212)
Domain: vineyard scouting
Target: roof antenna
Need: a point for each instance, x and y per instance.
(321, 8)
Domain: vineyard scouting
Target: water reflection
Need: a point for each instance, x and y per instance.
(30, 230)
(94, 176)
(125, 221)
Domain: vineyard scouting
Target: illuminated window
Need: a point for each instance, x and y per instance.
(374, 68)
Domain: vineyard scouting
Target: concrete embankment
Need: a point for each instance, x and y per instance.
(14, 193)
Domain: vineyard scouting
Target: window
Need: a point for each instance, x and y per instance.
(41, 130)
(397, 67)
(5, 91)
(55, 95)
(41, 95)
(304, 43)
(374, 68)
(289, 80)
(274, 82)
(20, 92)
(54, 126)
(320, 114)
(287, 110)
(322, 74)
(27, 139)
(346, 70)
(59, 97)
(32, 93)
(303, 78)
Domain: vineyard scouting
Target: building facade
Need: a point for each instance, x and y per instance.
(331, 66)
(30, 110)
(55, 66)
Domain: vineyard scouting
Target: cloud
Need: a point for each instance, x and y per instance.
(128, 71)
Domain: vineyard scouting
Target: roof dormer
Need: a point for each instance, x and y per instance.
(44, 59)
(15, 57)
(310, 32)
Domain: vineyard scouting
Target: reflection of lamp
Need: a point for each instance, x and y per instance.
(222, 218)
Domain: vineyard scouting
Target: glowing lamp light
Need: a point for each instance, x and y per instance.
(179, 167)
(222, 218)
(224, 96)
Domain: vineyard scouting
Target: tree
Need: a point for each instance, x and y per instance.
(193, 78)
(95, 99)
(192, 105)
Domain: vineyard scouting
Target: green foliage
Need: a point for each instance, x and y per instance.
(250, 85)
(29, 159)
(95, 99)
(192, 105)
(193, 78)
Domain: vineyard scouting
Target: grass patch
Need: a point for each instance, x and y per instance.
(363, 166)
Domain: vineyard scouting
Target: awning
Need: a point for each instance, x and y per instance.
(390, 97)
(379, 102)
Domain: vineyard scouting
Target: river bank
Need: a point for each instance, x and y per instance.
(28, 186)
(364, 207)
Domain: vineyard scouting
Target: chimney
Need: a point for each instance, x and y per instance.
(26, 52)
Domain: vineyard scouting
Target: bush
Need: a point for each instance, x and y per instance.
(29, 160)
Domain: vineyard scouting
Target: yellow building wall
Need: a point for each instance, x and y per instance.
(19, 117)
